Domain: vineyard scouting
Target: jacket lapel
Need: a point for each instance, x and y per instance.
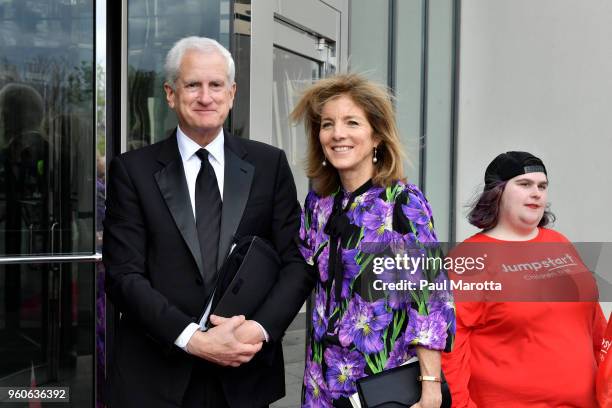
(236, 189)
(173, 187)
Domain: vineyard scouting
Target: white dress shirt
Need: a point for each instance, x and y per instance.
(191, 164)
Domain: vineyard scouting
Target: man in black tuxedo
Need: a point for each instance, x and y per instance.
(173, 211)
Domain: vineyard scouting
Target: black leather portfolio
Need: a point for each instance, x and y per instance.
(247, 276)
(396, 388)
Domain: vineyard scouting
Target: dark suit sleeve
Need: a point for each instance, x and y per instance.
(124, 255)
(295, 279)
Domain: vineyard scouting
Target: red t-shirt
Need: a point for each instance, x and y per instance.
(524, 354)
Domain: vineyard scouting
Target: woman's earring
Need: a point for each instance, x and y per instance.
(324, 163)
(374, 158)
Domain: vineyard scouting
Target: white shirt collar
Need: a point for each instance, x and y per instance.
(188, 147)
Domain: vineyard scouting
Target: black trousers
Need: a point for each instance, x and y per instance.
(204, 389)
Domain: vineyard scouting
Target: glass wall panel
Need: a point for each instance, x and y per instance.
(369, 39)
(408, 85)
(241, 51)
(47, 182)
(47, 328)
(153, 28)
(292, 73)
(46, 127)
(421, 50)
(438, 148)
(370, 53)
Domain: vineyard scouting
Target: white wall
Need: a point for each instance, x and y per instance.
(536, 75)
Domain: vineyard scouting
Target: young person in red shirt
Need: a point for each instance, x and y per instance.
(535, 343)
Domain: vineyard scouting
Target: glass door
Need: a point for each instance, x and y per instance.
(47, 195)
(303, 44)
(292, 74)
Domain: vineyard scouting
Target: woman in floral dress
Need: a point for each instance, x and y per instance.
(360, 208)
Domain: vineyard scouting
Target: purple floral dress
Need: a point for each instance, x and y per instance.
(357, 330)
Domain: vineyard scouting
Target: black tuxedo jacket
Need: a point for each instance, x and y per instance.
(153, 269)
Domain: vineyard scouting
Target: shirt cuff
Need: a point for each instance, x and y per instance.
(182, 340)
(263, 331)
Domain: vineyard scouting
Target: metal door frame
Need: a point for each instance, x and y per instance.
(294, 25)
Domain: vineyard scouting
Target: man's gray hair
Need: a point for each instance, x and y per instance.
(201, 44)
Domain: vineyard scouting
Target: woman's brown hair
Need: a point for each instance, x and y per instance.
(376, 104)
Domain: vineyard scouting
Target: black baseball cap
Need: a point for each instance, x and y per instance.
(511, 164)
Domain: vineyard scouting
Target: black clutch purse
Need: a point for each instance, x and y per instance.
(396, 388)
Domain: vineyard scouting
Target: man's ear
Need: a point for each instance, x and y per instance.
(170, 95)
(232, 92)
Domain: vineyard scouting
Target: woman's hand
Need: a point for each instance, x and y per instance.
(431, 395)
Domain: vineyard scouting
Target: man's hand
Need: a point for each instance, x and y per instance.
(219, 345)
(248, 332)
